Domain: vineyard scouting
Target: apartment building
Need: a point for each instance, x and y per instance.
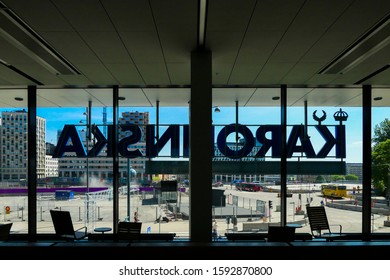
(14, 146)
(100, 167)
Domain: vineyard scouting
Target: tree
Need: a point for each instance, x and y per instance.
(381, 132)
(335, 178)
(320, 179)
(381, 165)
(351, 177)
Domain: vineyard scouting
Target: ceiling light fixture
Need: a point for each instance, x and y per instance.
(370, 43)
(202, 22)
(373, 74)
(18, 98)
(378, 98)
(23, 37)
(9, 66)
(275, 98)
(121, 98)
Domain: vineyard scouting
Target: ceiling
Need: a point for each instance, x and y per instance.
(145, 48)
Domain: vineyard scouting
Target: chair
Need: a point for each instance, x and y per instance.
(63, 226)
(319, 222)
(4, 231)
(281, 234)
(129, 230)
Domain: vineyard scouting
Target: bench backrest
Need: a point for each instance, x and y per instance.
(4, 231)
(129, 230)
(62, 222)
(281, 234)
(317, 219)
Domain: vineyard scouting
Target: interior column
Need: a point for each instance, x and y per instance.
(200, 161)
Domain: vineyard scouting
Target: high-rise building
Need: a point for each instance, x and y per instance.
(134, 117)
(141, 119)
(100, 167)
(355, 169)
(14, 146)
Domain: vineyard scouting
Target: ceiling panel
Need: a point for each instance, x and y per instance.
(97, 72)
(264, 96)
(254, 44)
(333, 97)
(126, 74)
(227, 97)
(144, 47)
(168, 96)
(179, 73)
(274, 16)
(177, 46)
(63, 98)
(134, 98)
(383, 97)
(7, 98)
(9, 77)
(107, 46)
(42, 15)
(130, 16)
(175, 16)
(86, 15)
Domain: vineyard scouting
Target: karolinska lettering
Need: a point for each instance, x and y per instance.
(70, 141)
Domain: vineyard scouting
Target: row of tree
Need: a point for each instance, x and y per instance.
(381, 157)
(380, 161)
(336, 178)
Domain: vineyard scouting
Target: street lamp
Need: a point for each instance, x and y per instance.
(130, 174)
(88, 137)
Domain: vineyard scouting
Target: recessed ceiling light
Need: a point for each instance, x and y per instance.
(275, 98)
(378, 98)
(18, 98)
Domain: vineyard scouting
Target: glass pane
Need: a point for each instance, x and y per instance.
(79, 172)
(246, 164)
(13, 172)
(380, 195)
(154, 163)
(324, 154)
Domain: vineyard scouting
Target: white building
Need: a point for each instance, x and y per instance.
(14, 145)
(100, 168)
(51, 166)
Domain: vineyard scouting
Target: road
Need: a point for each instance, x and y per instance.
(351, 221)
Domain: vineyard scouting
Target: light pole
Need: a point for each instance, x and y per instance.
(293, 204)
(87, 147)
(88, 137)
(131, 172)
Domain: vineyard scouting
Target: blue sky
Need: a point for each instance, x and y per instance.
(58, 117)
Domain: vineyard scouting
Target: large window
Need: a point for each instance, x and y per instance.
(75, 167)
(14, 162)
(154, 162)
(324, 156)
(246, 165)
(380, 195)
(78, 170)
